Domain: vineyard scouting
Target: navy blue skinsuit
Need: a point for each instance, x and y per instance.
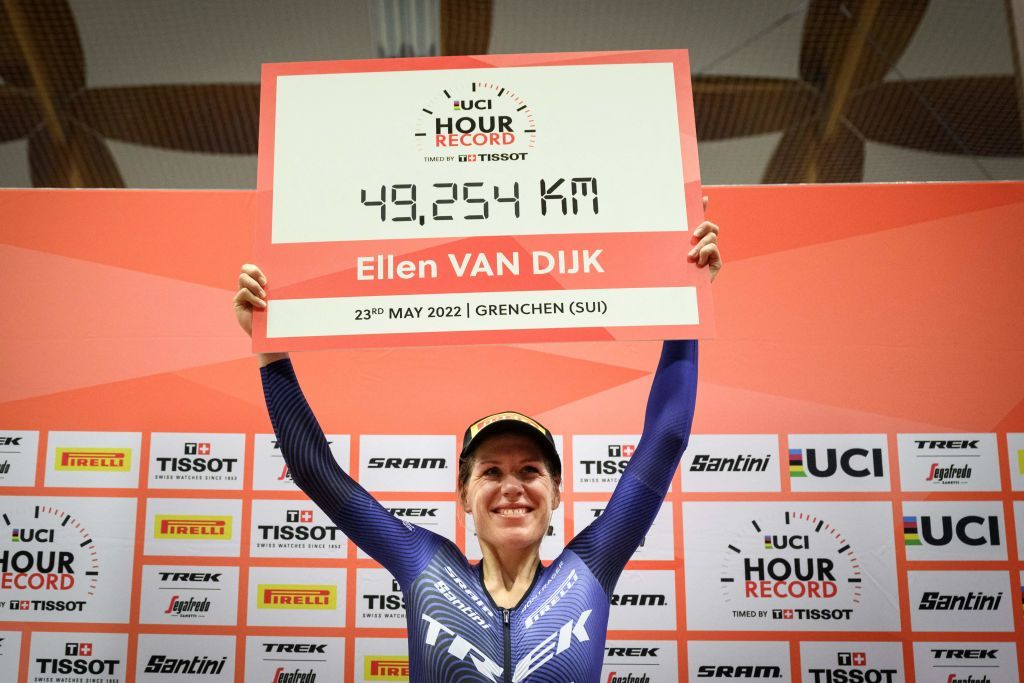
(456, 632)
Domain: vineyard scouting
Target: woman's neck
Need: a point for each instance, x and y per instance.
(508, 574)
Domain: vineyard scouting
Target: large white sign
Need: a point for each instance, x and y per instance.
(66, 559)
(791, 566)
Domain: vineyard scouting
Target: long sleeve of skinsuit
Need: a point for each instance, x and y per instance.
(611, 539)
(403, 549)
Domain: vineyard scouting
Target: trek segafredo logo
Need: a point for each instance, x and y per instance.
(843, 462)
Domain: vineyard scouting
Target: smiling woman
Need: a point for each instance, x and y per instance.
(508, 618)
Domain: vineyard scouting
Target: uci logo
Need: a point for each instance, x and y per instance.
(971, 530)
(854, 462)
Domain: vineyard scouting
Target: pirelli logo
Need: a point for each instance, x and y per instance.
(384, 668)
(94, 459)
(194, 527)
(297, 596)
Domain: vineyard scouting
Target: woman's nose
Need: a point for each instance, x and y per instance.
(511, 487)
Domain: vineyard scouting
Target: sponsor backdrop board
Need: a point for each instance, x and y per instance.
(875, 444)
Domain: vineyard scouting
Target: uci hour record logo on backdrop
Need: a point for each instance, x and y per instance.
(479, 199)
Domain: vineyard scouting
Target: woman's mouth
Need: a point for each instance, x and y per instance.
(516, 511)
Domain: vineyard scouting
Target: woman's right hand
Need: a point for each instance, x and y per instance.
(251, 282)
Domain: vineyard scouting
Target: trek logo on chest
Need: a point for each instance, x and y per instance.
(460, 648)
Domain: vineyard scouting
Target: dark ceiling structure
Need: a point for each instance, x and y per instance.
(845, 95)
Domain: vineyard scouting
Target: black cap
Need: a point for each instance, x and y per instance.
(511, 421)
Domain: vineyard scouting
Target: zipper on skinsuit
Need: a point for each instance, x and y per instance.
(508, 644)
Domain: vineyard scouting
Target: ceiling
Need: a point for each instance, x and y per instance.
(156, 94)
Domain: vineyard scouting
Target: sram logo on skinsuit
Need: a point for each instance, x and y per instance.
(296, 596)
(838, 462)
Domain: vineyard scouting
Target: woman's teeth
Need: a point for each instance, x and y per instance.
(512, 512)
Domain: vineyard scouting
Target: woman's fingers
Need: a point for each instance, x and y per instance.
(248, 282)
(246, 296)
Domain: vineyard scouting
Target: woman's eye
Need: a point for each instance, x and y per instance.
(531, 470)
(491, 472)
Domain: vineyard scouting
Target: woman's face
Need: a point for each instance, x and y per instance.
(510, 492)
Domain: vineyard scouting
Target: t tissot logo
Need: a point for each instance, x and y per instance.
(478, 121)
(852, 667)
(193, 527)
(94, 459)
(297, 596)
(52, 564)
(78, 659)
(798, 560)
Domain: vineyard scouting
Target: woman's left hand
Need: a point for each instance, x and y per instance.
(705, 250)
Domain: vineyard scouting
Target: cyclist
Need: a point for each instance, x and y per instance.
(507, 618)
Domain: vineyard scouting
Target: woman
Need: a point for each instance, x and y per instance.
(507, 618)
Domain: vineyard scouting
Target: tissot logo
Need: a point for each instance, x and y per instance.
(193, 527)
(621, 450)
(299, 527)
(94, 459)
(388, 602)
(197, 665)
(941, 530)
(854, 669)
(385, 668)
(197, 448)
(297, 596)
(965, 602)
(409, 463)
(853, 462)
(78, 659)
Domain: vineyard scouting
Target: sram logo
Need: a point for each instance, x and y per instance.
(408, 463)
(759, 672)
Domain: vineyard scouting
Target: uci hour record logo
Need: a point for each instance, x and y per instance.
(484, 122)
